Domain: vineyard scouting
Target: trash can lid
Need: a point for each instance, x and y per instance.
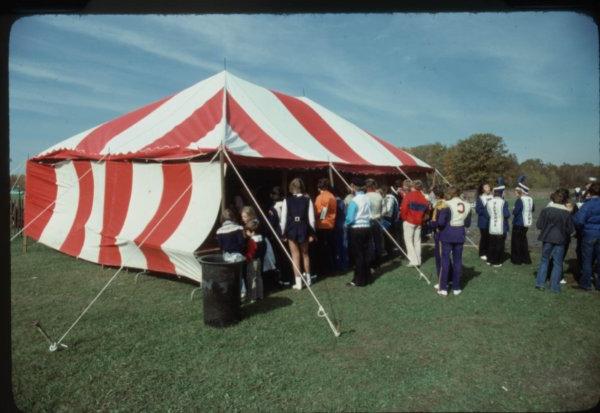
(221, 259)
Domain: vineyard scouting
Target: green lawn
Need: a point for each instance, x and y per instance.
(500, 346)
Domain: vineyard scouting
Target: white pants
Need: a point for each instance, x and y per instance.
(412, 239)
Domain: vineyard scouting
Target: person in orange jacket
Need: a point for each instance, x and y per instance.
(325, 213)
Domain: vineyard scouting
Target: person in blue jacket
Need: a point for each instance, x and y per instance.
(484, 194)
(587, 219)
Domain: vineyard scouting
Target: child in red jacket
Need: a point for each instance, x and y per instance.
(255, 253)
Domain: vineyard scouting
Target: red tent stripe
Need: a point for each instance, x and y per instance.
(403, 157)
(99, 137)
(41, 190)
(319, 129)
(168, 216)
(203, 120)
(116, 204)
(252, 134)
(76, 236)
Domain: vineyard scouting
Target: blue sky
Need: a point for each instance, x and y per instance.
(412, 79)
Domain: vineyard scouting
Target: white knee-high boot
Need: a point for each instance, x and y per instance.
(298, 285)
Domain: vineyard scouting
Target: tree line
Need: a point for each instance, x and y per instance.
(483, 157)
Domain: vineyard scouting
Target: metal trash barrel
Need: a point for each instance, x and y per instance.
(220, 290)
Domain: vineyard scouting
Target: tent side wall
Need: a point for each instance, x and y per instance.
(139, 215)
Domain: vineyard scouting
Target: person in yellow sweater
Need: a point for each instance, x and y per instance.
(325, 213)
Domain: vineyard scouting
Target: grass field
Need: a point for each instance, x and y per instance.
(500, 346)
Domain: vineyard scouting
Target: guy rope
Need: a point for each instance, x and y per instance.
(387, 233)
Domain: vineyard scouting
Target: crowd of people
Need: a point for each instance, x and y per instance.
(376, 222)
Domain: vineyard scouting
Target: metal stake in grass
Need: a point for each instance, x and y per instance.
(53, 345)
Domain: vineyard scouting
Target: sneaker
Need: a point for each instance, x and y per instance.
(483, 257)
(497, 265)
(563, 281)
(488, 263)
(350, 284)
(443, 292)
(456, 292)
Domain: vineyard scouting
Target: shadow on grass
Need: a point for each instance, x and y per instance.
(468, 274)
(265, 305)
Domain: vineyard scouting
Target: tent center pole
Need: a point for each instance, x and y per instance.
(222, 164)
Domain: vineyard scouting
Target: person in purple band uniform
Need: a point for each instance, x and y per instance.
(498, 215)
(440, 204)
(452, 220)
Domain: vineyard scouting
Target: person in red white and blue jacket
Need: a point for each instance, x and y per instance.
(413, 208)
(522, 220)
(498, 214)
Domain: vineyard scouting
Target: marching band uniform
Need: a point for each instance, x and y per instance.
(498, 214)
(522, 220)
(483, 223)
(437, 250)
(297, 218)
(453, 221)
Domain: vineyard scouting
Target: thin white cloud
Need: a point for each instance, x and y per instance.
(147, 43)
(22, 96)
(33, 70)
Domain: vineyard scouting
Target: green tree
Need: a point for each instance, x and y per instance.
(539, 174)
(571, 176)
(434, 154)
(479, 158)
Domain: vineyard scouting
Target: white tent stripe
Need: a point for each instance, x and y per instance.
(276, 121)
(65, 207)
(91, 246)
(191, 232)
(359, 140)
(70, 143)
(164, 118)
(146, 190)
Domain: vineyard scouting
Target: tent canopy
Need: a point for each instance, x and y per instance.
(84, 200)
(257, 126)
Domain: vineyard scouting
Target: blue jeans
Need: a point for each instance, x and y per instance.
(557, 252)
(590, 253)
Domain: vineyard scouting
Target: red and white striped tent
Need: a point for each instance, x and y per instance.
(131, 192)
